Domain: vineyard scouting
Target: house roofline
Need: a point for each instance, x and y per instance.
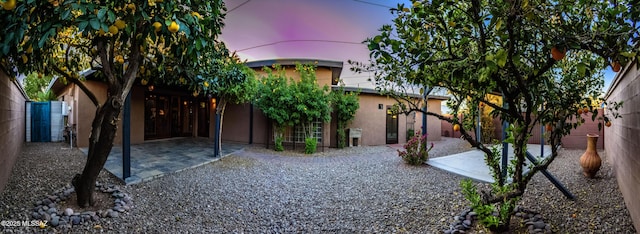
(294, 61)
(373, 91)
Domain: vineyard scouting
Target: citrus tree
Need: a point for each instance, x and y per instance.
(543, 57)
(311, 104)
(275, 97)
(227, 78)
(121, 39)
(345, 104)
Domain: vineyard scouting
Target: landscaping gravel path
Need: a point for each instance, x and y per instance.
(360, 189)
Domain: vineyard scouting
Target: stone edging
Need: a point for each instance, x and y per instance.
(47, 208)
(533, 220)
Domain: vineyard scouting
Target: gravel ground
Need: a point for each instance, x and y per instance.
(360, 189)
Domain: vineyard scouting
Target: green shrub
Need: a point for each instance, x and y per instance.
(342, 135)
(410, 133)
(416, 151)
(310, 145)
(278, 142)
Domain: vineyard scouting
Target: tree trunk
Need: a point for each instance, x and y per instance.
(103, 132)
(222, 105)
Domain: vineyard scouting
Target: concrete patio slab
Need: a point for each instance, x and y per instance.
(153, 159)
(471, 163)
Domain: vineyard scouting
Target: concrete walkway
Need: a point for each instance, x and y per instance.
(153, 159)
(471, 163)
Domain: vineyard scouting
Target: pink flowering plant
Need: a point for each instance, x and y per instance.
(416, 151)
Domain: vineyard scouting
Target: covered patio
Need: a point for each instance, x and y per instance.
(471, 163)
(154, 159)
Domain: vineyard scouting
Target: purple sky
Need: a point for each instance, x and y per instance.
(314, 29)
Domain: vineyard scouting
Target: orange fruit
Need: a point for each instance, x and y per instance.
(456, 127)
(113, 29)
(585, 110)
(119, 59)
(197, 15)
(9, 5)
(608, 124)
(174, 27)
(579, 111)
(120, 24)
(556, 54)
(615, 66)
(157, 26)
(548, 127)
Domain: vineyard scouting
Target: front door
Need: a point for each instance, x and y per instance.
(203, 118)
(40, 121)
(392, 127)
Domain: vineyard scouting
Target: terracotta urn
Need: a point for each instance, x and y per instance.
(590, 160)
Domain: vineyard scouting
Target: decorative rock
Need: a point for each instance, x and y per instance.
(114, 214)
(52, 210)
(89, 213)
(467, 222)
(38, 203)
(55, 221)
(46, 201)
(95, 218)
(75, 220)
(35, 215)
(539, 225)
(68, 212)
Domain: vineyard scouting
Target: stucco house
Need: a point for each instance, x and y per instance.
(164, 112)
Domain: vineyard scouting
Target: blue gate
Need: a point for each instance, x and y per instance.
(40, 121)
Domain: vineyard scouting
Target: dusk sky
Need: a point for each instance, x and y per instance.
(313, 29)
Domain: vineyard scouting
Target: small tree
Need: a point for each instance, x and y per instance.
(275, 97)
(226, 78)
(121, 40)
(311, 104)
(345, 104)
(517, 49)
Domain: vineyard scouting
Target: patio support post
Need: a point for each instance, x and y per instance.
(216, 150)
(126, 138)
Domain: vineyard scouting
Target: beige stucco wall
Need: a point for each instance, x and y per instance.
(236, 123)
(12, 126)
(372, 120)
(433, 123)
(83, 111)
(323, 74)
(621, 139)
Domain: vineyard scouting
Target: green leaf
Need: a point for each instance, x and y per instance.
(82, 25)
(501, 57)
(101, 13)
(582, 68)
(95, 24)
(65, 14)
